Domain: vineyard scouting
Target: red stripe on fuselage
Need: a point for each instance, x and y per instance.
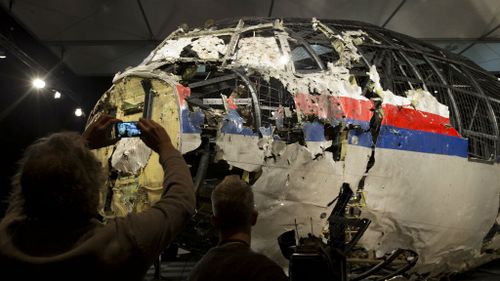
(182, 93)
(412, 119)
(327, 107)
(361, 110)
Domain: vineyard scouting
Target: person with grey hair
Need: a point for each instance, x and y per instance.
(234, 215)
(50, 230)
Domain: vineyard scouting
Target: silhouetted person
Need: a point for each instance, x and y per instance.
(50, 232)
(232, 259)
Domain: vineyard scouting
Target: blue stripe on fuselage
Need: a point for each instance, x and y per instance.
(191, 121)
(412, 140)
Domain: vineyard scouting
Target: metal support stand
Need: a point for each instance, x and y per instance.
(148, 98)
(337, 234)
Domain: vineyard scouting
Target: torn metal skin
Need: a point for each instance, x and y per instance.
(296, 120)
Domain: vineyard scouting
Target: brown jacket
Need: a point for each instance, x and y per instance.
(122, 249)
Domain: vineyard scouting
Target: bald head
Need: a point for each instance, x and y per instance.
(233, 205)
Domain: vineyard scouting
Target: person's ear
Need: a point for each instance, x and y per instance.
(255, 214)
(215, 222)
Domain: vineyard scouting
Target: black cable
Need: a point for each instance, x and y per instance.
(271, 9)
(145, 19)
(394, 13)
(479, 39)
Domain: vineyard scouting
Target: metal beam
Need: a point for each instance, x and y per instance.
(394, 13)
(12, 48)
(27, 48)
(100, 42)
(480, 38)
(270, 13)
(461, 40)
(31, 52)
(211, 81)
(151, 36)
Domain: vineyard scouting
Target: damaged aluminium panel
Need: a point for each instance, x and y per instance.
(300, 108)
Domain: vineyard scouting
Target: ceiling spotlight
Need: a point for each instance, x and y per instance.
(38, 83)
(2, 54)
(57, 95)
(78, 112)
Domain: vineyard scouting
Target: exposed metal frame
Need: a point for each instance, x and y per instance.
(414, 69)
(453, 102)
(491, 113)
(308, 48)
(255, 99)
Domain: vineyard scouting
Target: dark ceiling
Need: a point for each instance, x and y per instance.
(95, 37)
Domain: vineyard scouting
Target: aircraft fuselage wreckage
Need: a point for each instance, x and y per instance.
(358, 139)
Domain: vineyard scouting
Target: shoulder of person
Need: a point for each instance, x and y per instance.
(271, 271)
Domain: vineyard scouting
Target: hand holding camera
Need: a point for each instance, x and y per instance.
(98, 134)
(127, 130)
(154, 135)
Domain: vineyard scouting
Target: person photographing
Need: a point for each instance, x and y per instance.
(50, 229)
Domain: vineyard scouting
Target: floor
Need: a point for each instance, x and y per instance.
(179, 271)
(173, 271)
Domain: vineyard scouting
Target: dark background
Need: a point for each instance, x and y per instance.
(27, 114)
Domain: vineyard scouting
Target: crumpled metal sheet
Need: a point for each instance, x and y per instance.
(414, 203)
(240, 151)
(130, 155)
(314, 136)
(233, 124)
(296, 187)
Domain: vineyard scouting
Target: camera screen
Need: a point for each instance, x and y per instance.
(127, 129)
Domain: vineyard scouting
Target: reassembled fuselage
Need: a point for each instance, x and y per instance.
(299, 107)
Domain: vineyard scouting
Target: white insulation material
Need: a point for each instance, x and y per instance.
(209, 47)
(419, 99)
(263, 52)
(259, 52)
(130, 155)
(425, 101)
(321, 82)
(172, 49)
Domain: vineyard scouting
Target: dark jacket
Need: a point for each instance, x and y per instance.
(236, 261)
(122, 249)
